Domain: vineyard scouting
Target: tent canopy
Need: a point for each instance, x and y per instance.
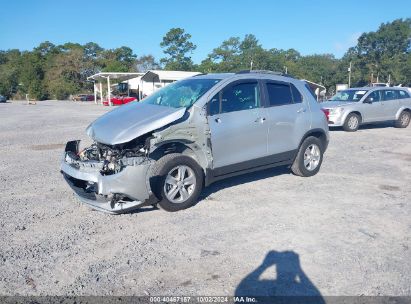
(159, 76)
(113, 75)
(314, 86)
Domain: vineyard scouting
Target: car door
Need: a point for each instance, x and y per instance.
(372, 108)
(405, 99)
(238, 126)
(288, 118)
(391, 104)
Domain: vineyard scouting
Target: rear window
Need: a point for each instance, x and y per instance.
(296, 94)
(311, 91)
(279, 94)
(404, 94)
(390, 94)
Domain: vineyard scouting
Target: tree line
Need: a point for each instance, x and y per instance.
(55, 71)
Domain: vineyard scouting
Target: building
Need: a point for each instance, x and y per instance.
(134, 84)
(155, 79)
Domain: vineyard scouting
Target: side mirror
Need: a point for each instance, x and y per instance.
(369, 100)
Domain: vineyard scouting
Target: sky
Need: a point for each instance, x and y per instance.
(310, 27)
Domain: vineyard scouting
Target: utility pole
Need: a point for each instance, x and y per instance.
(349, 75)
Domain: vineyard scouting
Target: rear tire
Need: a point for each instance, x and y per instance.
(352, 122)
(403, 120)
(309, 157)
(177, 181)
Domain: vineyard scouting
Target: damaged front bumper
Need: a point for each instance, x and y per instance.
(115, 193)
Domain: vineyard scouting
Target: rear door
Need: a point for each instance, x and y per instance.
(289, 118)
(238, 126)
(405, 99)
(391, 104)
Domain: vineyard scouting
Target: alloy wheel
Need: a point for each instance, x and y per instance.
(405, 118)
(312, 157)
(179, 184)
(353, 122)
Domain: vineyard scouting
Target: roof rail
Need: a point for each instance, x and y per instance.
(265, 72)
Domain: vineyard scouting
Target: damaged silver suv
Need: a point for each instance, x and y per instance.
(193, 132)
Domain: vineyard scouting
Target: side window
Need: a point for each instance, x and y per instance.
(279, 94)
(390, 94)
(403, 94)
(376, 96)
(297, 97)
(242, 96)
(214, 105)
(310, 91)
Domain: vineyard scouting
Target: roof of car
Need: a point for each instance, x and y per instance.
(259, 74)
(378, 88)
(215, 75)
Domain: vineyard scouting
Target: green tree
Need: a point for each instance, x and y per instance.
(9, 71)
(31, 75)
(118, 60)
(382, 53)
(177, 46)
(145, 63)
(223, 58)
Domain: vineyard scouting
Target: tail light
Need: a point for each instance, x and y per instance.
(326, 113)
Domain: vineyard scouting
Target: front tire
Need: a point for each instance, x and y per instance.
(352, 122)
(309, 157)
(403, 120)
(177, 182)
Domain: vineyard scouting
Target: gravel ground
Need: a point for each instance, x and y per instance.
(346, 231)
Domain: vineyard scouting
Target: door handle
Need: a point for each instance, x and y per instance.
(302, 110)
(217, 120)
(260, 119)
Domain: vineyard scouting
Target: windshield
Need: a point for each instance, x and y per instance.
(183, 93)
(349, 95)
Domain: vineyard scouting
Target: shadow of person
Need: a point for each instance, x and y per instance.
(291, 281)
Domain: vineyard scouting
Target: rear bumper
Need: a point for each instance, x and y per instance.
(102, 192)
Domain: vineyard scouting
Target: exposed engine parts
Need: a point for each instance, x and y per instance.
(114, 158)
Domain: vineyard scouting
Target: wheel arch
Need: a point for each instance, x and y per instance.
(402, 109)
(354, 112)
(318, 133)
(183, 147)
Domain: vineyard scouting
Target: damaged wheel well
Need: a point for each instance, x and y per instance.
(173, 147)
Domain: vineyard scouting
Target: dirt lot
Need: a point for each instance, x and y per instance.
(346, 231)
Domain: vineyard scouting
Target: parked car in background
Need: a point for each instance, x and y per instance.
(192, 133)
(379, 84)
(353, 107)
(83, 97)
(3, 98)
(119, 100)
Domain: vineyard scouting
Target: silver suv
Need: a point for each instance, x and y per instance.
(352, 107)
(193, 132)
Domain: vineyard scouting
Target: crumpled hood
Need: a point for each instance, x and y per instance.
(130, 121)
(335, 104)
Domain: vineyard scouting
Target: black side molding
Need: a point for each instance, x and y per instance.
(281, 159)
